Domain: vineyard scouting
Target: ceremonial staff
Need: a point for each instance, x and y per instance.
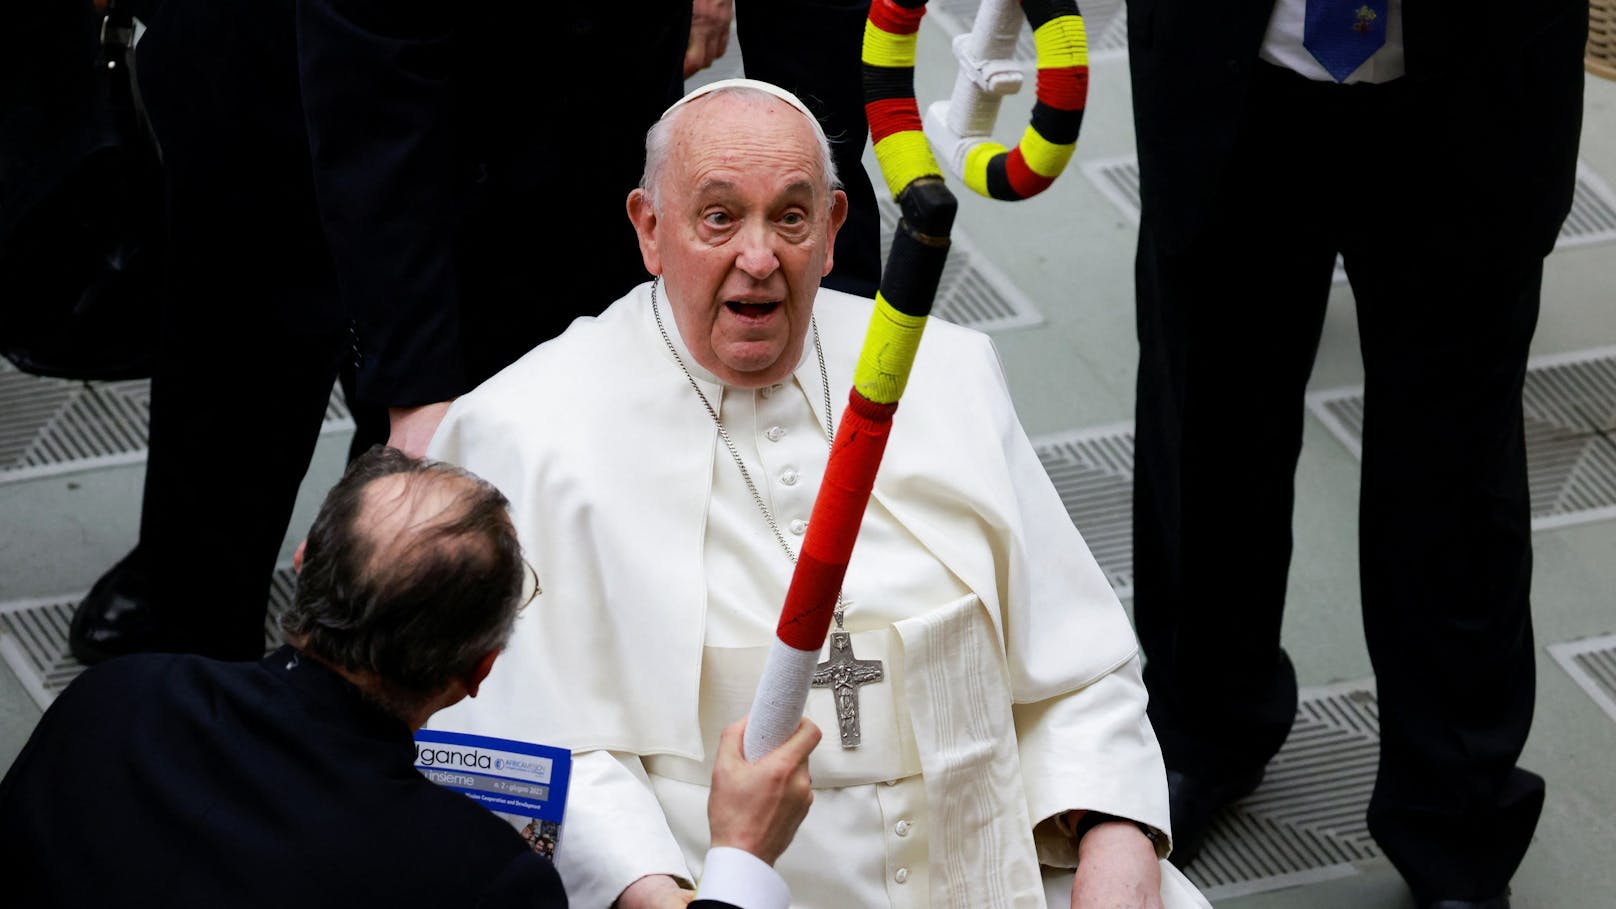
(914, 268)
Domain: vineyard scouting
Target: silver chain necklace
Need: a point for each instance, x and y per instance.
(830, 432)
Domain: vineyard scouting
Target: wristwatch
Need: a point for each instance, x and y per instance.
(1092, 819)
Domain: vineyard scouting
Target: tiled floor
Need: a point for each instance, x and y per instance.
(1051, 279)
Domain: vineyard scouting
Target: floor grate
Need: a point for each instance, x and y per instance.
(1092, 469)
(54, 426)
(972, 291)
(1569, 402)
(1591, 663)
(1593, 211)
(1305, 823)
(33, 637)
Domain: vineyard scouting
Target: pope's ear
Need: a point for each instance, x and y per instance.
(642, 214)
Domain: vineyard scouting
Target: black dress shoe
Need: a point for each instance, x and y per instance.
(116, 617)
(1501, 901)
(1194, 803)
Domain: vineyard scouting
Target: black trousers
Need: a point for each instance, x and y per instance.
(812, 48)
(255, 333)
(1447, 302)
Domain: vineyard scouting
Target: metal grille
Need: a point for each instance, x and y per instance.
(1093, 472)
(972, 291)
(1569, 405)
(1305, 823)
(53, 426)
(1591, 663)
(33, 637)
(1593, 211)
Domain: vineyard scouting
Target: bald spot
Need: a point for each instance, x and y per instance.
(400, 511)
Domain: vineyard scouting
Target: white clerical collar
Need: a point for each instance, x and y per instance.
(701, 372)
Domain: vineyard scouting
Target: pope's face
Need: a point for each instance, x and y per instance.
(743, 236)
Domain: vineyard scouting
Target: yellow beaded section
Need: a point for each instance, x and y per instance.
(905, 157)
(1062, 41)
(888, 353)
(883, 48)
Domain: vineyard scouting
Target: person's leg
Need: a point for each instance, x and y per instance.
(812, 48)
(1228, 327)
(1447, 268)
(251, 337)
(1446, 550)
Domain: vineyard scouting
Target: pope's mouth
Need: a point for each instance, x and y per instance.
(752, 310)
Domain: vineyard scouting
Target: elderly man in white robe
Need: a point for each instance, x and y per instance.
(663, 459)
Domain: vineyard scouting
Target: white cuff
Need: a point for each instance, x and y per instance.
(742, 879)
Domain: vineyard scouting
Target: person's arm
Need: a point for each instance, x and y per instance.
(1085, 740)
(616, 848)
(753, 812)
(1117, 863)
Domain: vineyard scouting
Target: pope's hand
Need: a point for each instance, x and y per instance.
(758, 805)
(409, 429)
(654, 891)
(1116, 869)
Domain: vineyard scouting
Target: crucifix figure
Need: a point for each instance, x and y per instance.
(843, 674)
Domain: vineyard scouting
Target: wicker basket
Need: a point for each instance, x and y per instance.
(1600, 58)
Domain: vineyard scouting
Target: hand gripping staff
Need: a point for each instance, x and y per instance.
(910, 279)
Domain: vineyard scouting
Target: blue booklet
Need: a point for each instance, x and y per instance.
(522, 782)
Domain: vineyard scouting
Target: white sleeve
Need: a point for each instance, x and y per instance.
(613, 832)
(1094, 749)
(742, 879)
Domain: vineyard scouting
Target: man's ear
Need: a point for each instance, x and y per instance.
(838, 216)
(642, 214)
(484, 666)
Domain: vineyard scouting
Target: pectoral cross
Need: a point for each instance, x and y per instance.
(843, 675)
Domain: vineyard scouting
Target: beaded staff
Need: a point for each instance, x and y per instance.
(909, 281)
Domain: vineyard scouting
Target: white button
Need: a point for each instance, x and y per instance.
(902, 828)
(775, 433)
(788, 477)
(888, 782)
(799, 526)
(769, 390)
(901, 875)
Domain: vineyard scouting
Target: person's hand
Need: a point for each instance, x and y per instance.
(709, 33)
(1116, 869)
(409, 429)
(654, 891)
(758, 805)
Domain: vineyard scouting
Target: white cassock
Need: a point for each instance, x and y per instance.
(1011, 688)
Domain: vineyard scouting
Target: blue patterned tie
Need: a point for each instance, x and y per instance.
(1342, 34)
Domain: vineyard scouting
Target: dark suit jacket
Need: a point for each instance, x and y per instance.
(1495, 87)
(167, 780)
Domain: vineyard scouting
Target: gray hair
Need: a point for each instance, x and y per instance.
(659, 138)
(395, 587)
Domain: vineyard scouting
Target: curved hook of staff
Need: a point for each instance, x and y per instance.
(961, 127)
